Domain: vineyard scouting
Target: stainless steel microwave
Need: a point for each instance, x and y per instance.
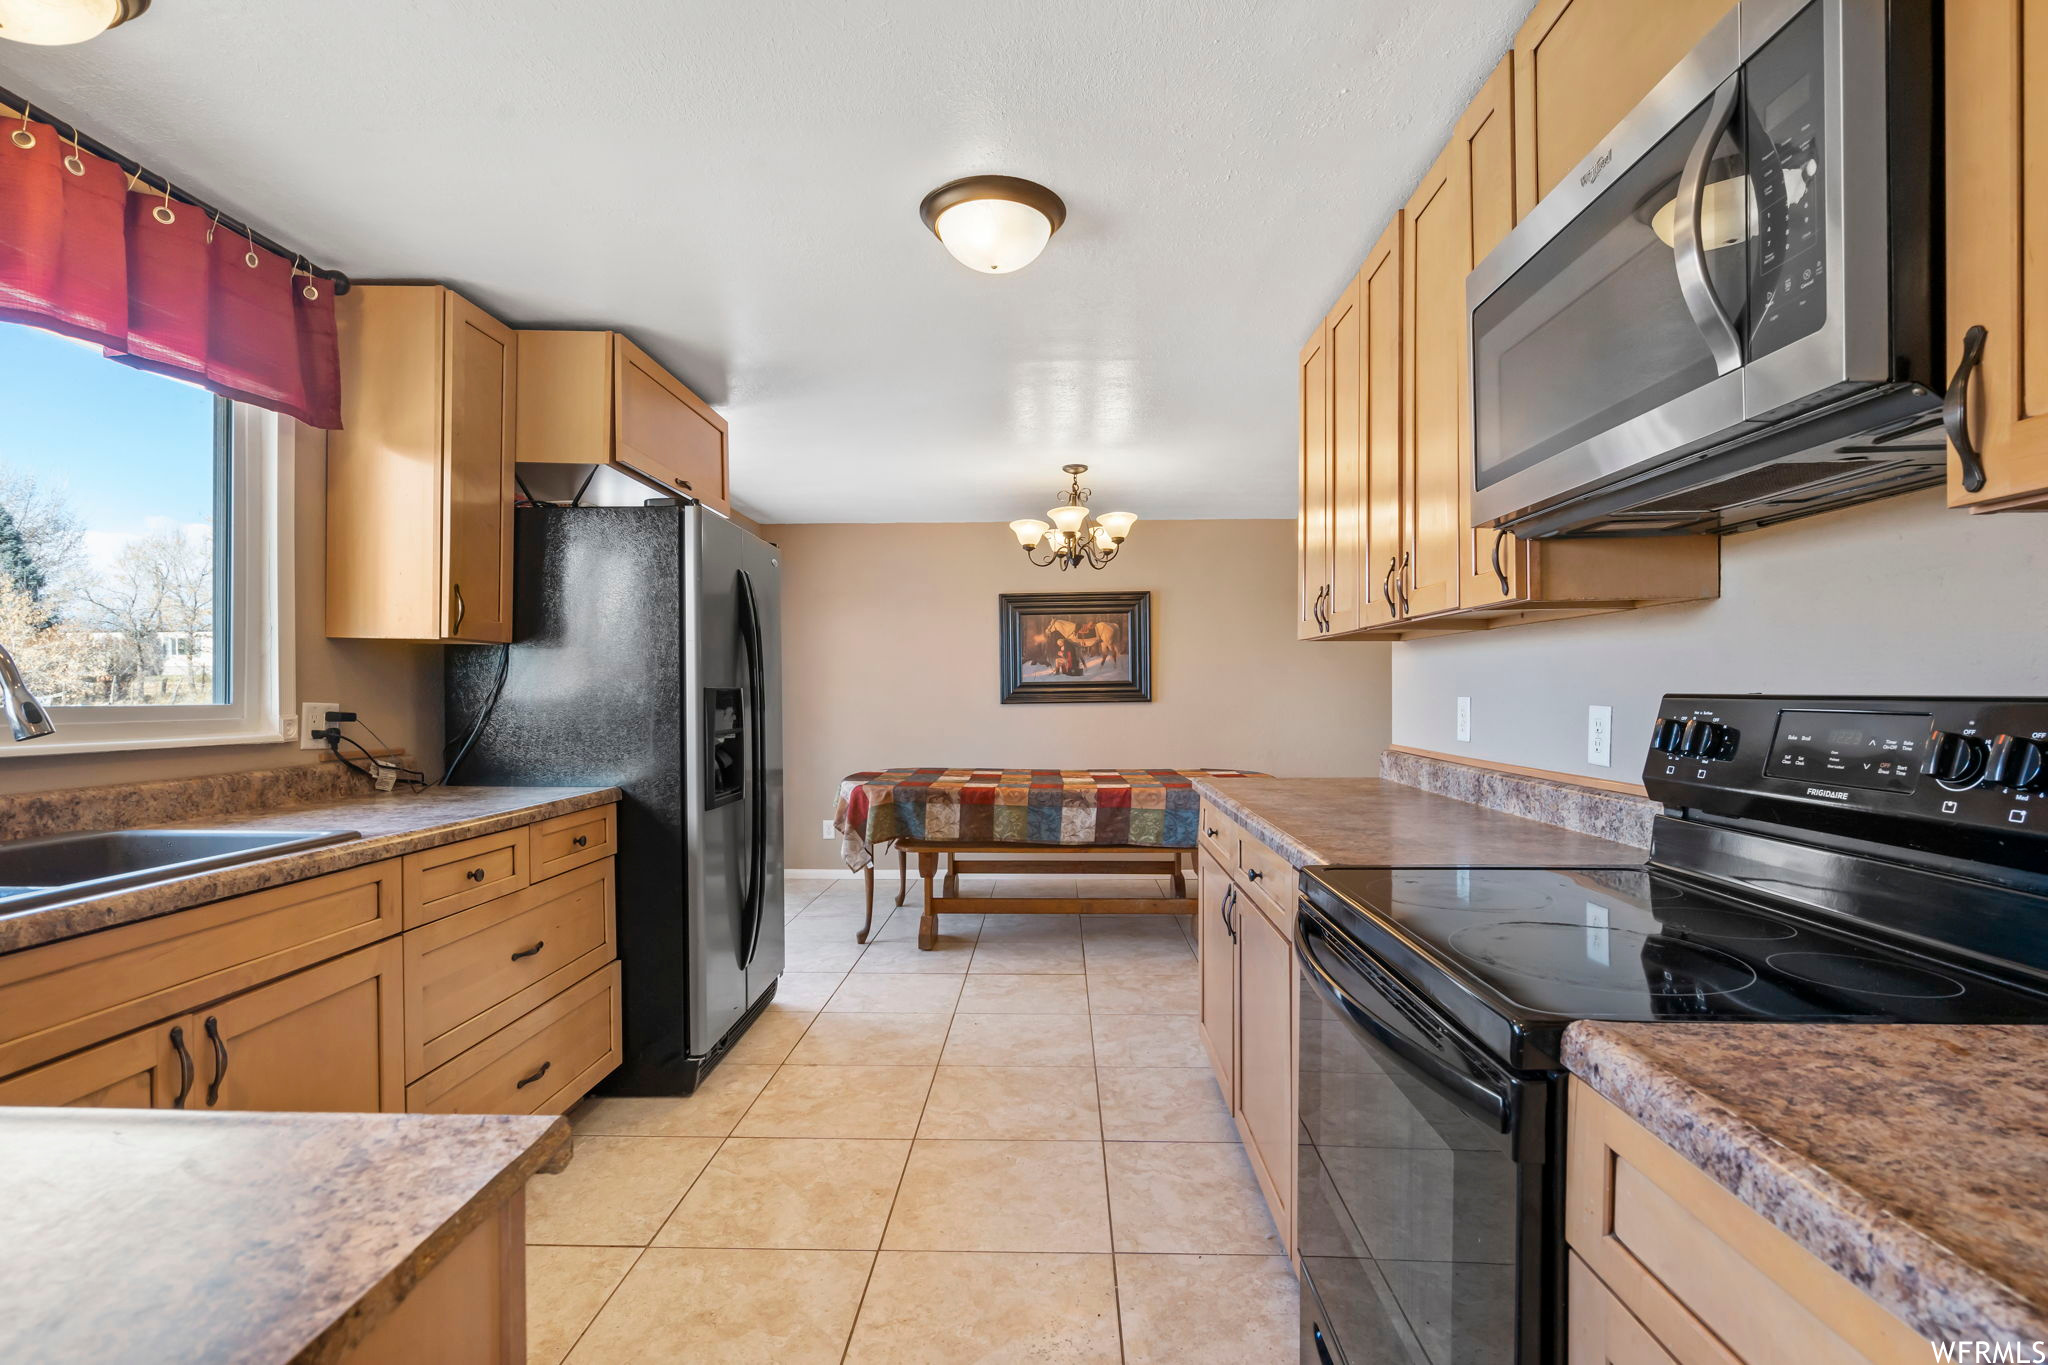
(1729, 313)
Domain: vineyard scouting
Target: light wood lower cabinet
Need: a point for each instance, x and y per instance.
(1689, 1270)
(1250, 1007)
(308, 998)
(470, 1309)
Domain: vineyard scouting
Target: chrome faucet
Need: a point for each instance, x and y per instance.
(27, 715)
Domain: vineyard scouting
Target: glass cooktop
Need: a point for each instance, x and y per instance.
(1517, 953)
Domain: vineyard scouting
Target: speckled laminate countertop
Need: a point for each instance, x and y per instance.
(146, 1235)
(1913, 1158)
(1364, 821)
(390, 825)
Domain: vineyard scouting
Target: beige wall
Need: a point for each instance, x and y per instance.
(889, 636)
(1899, 596)
(395, 687)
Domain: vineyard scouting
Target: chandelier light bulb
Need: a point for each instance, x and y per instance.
(1118, 524)
(1068, 518)
(1029, 531)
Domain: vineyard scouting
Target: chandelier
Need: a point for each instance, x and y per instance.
(1069, 541)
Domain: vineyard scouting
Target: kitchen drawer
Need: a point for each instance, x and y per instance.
(574, 840)
(440, 881)
(72, 994)
(1272, 880)
(1706, 1274)
(541, 1063)
(1603, 1332)
(1219, 834)
(469, 974)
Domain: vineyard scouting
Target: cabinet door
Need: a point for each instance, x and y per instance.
(1439, 243)
(1997, 56)
(664, 431)
(328, 1039)
(1581, 65)
(1217, 944)
(1345, 328)
(1312, 525)
(480, 365)
(148, 1069)
(1266, 1055)
(1487, 135)
(1379, 297)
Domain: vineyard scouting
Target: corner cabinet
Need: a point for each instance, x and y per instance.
(594, 398)
(1389, 546)
(1997, 409)
(420, 477)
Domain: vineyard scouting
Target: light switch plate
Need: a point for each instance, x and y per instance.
(1464, 719)
(1600, 736)
(827, 832)
(313, 716)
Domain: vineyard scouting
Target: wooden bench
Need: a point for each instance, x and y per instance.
(941, 864)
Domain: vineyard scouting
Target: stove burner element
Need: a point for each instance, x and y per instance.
(1614, 960)
(1866, 976)
(1714, 922)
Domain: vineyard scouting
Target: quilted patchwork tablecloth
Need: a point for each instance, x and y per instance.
(1145, 807)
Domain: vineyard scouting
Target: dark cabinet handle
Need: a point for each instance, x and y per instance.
(475, 874)
(529, 952)
(684, 484)
(1387, 583)
(1229, 899)
(1401, 582)
(1253, 874)
(1498, 572)
(1955, 410)
(534, 1077)
(220, 1060)
(461, 609)
(580, 841)
(184, 1066)
(1210, 832)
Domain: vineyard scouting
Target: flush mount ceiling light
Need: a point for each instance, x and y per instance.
(1067, 544)
(55, 23)
(992, 224)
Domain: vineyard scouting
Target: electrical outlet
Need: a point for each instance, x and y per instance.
(1599, 735)
(827, 832)
(313, 716)
(1464, 719)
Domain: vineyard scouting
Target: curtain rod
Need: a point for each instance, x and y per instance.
(12, 105)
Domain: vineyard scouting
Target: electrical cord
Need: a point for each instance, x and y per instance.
(412, 777)
(483, 717)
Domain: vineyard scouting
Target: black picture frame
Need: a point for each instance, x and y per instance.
(1013, 611)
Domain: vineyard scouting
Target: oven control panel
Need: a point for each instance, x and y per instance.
(1962, 762)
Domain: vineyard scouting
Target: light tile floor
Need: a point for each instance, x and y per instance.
(1010, 1149)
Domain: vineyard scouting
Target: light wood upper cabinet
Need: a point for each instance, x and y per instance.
(419, 478)
(596, 398)
(1343, 608)
(1379, 286)
(1312, 527)
(1581, 65)
(1997, 117)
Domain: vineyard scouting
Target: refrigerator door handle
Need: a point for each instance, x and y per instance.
(756, 780)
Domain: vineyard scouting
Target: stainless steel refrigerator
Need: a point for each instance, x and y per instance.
(647, 656)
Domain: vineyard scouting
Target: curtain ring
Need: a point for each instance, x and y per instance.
(213, 227)
(21, 136)
(252, 260)
(162, 212)
(309, 289)
(74, 163)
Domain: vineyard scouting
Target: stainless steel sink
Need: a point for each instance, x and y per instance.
(66, 867)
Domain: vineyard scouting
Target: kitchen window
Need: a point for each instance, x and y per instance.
(142, 554)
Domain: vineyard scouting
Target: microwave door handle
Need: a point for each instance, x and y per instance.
(1690, 258)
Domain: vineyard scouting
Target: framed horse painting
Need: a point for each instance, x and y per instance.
(1076, 646)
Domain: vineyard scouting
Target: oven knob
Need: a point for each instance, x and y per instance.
(1952, 759)
(1665, 734)
(1706, 739)
(2013, 762)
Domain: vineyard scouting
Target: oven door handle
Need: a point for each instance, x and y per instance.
(1690, 257)
(1486, 1097)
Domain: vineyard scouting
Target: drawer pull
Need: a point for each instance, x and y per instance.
(580, 841)
(529, 952)
(1253, 873)
(220, 1060)
(534, 1077)
(1210, 832)
(475, 874)
(184, 1066)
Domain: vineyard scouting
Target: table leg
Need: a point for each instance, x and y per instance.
(1180, 875)
(928, 926)
(902, 875)
(868, 876)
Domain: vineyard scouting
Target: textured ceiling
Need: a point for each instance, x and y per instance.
(736, 186)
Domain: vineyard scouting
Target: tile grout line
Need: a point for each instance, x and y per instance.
(609, 1296)
(1116, 1292)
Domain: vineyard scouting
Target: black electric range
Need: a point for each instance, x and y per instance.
(1835, 860)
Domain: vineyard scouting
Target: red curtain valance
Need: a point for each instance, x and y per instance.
(157, 283)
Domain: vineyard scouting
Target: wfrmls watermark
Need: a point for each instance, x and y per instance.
(1991, 1352)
